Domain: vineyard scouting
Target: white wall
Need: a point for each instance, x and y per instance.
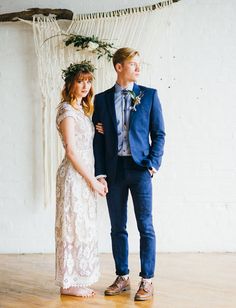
(194, 195)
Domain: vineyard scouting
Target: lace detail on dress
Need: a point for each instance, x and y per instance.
(77, 261)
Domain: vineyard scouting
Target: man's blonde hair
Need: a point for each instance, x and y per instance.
(123, 54)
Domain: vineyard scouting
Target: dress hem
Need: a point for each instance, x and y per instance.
(86, 283)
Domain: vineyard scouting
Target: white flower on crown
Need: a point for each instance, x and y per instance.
(92, 46)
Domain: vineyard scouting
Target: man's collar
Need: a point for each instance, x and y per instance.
(118, 88)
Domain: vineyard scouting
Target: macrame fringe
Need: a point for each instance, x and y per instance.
(124, 12)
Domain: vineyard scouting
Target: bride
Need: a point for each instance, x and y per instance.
(77, 264)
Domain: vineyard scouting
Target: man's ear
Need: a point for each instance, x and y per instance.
(118, 67)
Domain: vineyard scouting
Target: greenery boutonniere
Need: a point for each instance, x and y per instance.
(136, 99)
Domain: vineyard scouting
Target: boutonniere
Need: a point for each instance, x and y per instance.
(136, 99)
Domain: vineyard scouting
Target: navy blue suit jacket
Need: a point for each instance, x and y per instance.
(146, 131)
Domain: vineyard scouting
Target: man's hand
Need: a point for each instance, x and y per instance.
(99, 128)
(104, 182)
(152, 171)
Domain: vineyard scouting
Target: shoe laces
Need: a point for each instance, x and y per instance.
(144, 285)
(117, 281)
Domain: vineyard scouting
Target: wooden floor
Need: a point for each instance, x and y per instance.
(182, 280)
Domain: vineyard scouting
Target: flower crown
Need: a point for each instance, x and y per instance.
(74, 68)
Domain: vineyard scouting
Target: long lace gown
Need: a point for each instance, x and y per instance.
(75, 229)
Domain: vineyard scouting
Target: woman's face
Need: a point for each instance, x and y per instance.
(82, 86)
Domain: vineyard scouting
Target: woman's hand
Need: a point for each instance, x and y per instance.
(98, 187)
(104, 182)
(99, 128)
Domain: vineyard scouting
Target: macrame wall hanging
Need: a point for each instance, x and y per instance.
(142, 28)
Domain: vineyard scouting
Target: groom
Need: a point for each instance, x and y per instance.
(128, 151)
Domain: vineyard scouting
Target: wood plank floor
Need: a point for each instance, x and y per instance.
(182, 280)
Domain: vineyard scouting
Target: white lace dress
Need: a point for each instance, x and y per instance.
(77, 261)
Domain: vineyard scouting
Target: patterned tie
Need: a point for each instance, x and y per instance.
(125, 94)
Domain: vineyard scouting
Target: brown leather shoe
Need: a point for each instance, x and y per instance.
(119, 285)
(145, 291)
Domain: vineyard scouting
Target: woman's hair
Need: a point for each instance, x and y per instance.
(123, 54)
(74, 73)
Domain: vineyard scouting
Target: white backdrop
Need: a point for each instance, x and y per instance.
(194, 195)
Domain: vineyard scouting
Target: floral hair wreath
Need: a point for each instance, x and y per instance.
(74, 68)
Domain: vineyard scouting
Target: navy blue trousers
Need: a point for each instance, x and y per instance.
(130, 176)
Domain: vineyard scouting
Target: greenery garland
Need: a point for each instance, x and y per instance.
(91, 43)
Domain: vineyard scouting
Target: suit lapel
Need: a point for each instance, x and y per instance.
(111, 105)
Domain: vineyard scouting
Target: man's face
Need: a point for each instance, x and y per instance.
(129, 70)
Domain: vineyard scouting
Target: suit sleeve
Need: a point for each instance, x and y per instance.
(157, 133)
(98, 141)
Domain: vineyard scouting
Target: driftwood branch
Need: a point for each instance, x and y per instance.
(59, 13)
(28, 14)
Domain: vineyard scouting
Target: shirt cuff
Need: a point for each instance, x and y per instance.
(101, 176)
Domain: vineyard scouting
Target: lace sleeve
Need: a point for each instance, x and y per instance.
(63, 112)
